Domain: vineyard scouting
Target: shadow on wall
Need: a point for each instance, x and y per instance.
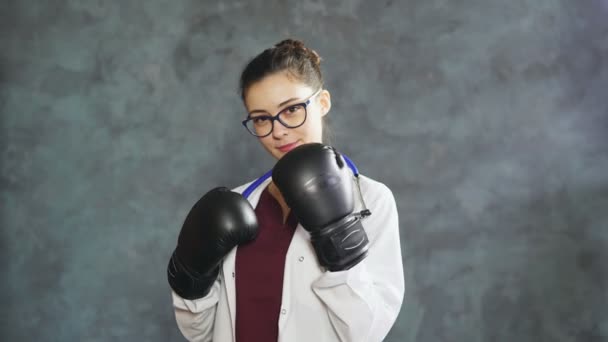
(530, 269)
(555, 285)
(5, 183)
(584, 63)
(539, 275)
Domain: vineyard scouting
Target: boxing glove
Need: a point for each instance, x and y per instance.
(317, 185)
(218, 222)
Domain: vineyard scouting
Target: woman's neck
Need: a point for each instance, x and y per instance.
(274, 191)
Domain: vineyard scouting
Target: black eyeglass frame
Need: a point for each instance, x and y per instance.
(276, 117)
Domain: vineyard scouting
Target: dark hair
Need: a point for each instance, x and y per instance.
(289, 55)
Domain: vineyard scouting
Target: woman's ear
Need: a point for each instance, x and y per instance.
(325, 101)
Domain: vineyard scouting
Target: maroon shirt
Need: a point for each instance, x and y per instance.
(259, 273)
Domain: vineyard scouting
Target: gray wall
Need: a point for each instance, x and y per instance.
(488, 120)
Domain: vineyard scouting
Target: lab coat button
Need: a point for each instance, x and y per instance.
(301, 259)
(232, 274)
(283, 311)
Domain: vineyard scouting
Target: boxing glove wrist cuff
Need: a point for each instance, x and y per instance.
(187, 283)
(341, 245)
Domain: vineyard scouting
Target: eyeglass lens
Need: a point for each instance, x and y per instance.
(290, 117)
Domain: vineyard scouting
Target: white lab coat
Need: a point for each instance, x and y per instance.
(360, 304)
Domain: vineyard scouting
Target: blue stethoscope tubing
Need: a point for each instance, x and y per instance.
(265, 176)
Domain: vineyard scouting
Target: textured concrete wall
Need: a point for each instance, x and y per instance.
(488, 119)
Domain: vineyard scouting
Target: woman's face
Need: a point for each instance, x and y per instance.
(278, 91)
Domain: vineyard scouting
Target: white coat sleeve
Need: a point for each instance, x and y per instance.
(363, 302)
(196, 318)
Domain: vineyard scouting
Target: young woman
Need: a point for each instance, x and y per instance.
(295, 256)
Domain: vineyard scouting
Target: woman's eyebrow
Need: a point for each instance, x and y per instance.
(258, 111)
(278, 106)
(286, 102)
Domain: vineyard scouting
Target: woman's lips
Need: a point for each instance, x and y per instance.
(288, 147)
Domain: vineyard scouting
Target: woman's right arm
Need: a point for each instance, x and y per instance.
(196, 317)
(217, 223)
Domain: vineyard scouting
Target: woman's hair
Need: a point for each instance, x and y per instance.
(288, 55)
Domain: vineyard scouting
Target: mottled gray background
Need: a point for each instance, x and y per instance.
(488, 120)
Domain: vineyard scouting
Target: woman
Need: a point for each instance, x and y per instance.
(309, 266)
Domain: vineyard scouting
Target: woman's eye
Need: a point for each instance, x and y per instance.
(260, 119)
(294, 109)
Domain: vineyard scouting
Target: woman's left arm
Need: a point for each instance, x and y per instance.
(364, 301)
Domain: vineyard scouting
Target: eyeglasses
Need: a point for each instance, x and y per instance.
(261, 125)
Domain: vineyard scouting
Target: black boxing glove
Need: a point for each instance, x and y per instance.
(317, 185)
(217, 223)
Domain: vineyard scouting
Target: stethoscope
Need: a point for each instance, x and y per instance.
(363, 213)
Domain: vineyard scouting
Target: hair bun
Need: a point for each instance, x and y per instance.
(289, 55)
(298, 46)
(291, 43)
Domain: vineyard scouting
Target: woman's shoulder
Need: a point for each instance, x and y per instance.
(242, 187)
(379, 199)
(374, 188)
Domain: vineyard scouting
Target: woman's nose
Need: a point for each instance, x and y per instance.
(279, 130)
